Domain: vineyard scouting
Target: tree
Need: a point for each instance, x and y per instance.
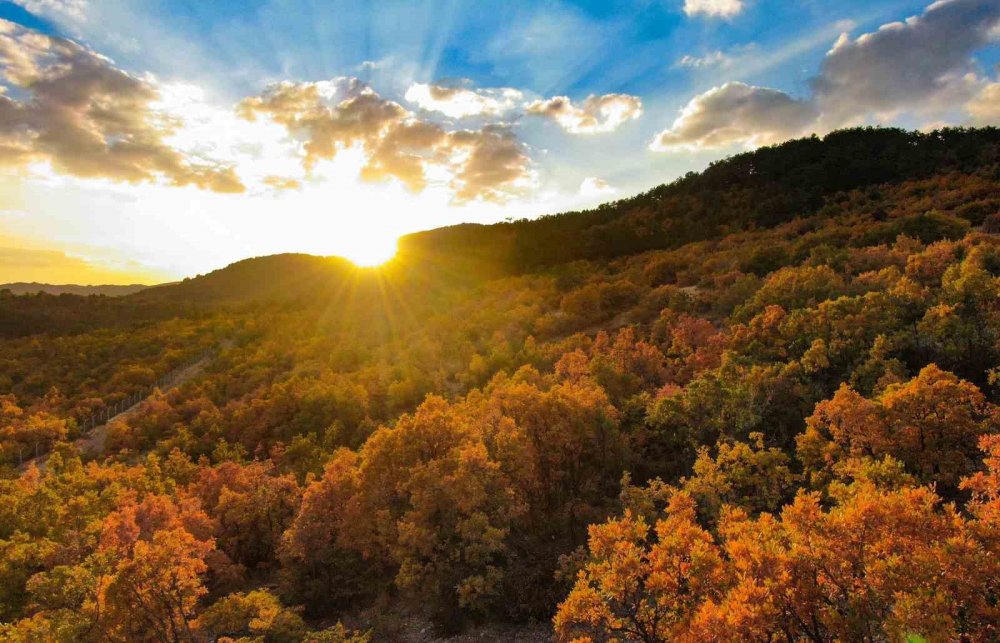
(797, 287)
(25, 435)
(155, 553)
(153, 590)
(641, 588)
(322, 563)
(931, 423)
(583, 303)
(252, 505)
(878, 565)
(935, 421)
(560, 447)
(251, 615)
(745, 475)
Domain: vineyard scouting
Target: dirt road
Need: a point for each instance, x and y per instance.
(93, 443)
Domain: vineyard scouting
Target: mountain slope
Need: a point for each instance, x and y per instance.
(754, 190)
(280, 276)
(758, 189)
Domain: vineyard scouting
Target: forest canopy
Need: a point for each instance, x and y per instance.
(759, 403)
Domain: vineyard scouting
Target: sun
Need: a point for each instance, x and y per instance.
(370, 253)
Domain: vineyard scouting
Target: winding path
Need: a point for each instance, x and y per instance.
(93, 443)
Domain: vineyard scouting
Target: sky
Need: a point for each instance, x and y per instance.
(148, 140)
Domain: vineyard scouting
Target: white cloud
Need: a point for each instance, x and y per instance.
(714, 8)
(66, 111)
(922, 64)
(461, 102)
(76, 111)
(921, 67)
(736, 113)
(371, 65)
(593, 186)
(596, 114)
(261, 150)
(345, 115)
(72, 9)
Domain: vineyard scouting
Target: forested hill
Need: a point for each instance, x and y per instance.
(758, 189)
(754, 190)
(280, 276)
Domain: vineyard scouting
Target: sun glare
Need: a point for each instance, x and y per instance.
(371, 253)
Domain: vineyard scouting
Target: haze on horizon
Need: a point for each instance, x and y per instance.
(143, 142)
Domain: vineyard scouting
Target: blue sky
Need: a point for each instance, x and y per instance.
(588, 46)
(489, 110)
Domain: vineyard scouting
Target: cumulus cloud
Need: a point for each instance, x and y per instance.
(328, 115)
(596, 114)
(488, 164)
(461, 102)
(73, 9)
(372, 65)
(492, 166)
(736, 113)
(922, 66)
(75, 110)
(713, 8)
(593, 186)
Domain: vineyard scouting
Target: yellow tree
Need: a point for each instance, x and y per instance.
(152, 593)
(935, 421)
(640, 586)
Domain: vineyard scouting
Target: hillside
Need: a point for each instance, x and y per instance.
(754, 190)
(764, 398)
(282, 276)
(758, 189)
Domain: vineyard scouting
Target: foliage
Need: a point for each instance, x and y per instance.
(748, 405)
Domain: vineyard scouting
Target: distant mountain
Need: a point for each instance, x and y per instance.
(25, 288)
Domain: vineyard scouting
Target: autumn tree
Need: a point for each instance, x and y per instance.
(250, 615)
(741, 474)
(931, 423)
(153, 590)
(878, 565)
(322, 564)
(253, 506)
(156, 552)
(641, 585)
(25, 434)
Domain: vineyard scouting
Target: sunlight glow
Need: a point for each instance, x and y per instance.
(371, 252)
